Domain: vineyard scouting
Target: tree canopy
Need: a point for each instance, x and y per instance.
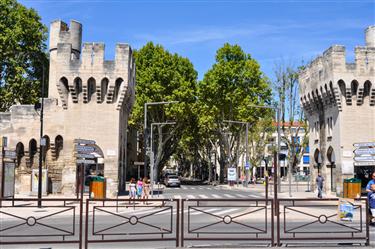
(162, 76)
(227, 92)
(22, 54)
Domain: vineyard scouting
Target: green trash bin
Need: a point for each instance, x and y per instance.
(352, 188)
(97, 187)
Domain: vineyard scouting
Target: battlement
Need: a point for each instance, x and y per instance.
(60, 32)
(330, 79)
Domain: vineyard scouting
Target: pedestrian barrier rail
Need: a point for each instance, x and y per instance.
(124, 220)
(319, 220)
(227, 219)
(177, 222)
(57, 221)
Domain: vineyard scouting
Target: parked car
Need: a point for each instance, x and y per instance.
(172, 180)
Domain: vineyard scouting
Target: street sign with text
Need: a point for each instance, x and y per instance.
(85, 161)
(84, 141)
(85, 156)
(367, 151)
(84, 149)
(369, 144)
(364, 158)
(364, 163)
(11, 154)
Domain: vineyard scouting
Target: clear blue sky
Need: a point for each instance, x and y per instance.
(269, 30)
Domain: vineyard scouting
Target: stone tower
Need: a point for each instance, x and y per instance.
(88, 98)
(339, 102)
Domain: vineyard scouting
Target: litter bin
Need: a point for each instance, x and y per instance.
(352, 188)
(97, 187)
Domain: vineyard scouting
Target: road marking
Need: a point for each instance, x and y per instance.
(203, 196)
(192, 188)
(216, 196)
(254, 196)
(197, 212)
(190, 196)
(226, 211)
(177, 196)
(228, 195)
(209, 188)
(239, 195)
(184, 187)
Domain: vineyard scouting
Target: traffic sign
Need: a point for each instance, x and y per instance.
(367, 151)
(364, 163)
(85, 161)
(369, 144)
(84, 149)
(247, 165)
(364, 158)
(84, 141)
(85, 155)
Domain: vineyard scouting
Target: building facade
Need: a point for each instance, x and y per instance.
(339, 101)
(88, 98)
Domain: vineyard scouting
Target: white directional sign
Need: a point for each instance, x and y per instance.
(370, 144)
(364, 163)
(367, 151)
(84, 149)
(232, 174)
(364, 158)
(84, 141)
(85, 161)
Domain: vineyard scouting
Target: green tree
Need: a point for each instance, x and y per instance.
(162, 76)
(233, 84)
(22, 54)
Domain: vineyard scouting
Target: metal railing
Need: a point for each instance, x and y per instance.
(313, 220)
(58, 221)
(124, 220)
(227, 219)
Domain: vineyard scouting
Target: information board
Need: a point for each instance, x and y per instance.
(9, 168)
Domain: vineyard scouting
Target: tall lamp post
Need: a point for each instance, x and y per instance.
(152, 158)
(145, 128)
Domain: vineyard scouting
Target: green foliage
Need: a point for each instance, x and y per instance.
(22, 54)
(162, 76)
(227, 92)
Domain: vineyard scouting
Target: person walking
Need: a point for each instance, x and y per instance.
(146, 189)
(319, 184)
(370, 189)
(372, 181)
(139, 188)
(132, 190)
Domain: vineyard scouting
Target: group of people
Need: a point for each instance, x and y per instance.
(370, 189)
(139, 189)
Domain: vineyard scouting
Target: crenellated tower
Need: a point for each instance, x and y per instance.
(339, 101)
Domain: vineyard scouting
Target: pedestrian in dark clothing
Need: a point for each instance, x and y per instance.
(319, 183)
(371, 202)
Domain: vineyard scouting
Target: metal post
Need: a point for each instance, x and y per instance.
(275, 156)
(152, 163)
(40, 145)
(145, 141)
(277, 169)
(247, 155)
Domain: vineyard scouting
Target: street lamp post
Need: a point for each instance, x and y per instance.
(145, 129)
(152, 156)
(41, 144)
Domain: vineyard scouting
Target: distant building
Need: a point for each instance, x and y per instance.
(89, 98)
(339, 102)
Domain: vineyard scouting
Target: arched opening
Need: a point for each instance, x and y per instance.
(59, 145)
(117, 89)
(366, 90)
(354, 87)
(104, 88)
(318, 159)
(64, 87)
(46, 147)
(20, 151)
(78, 87)
(342, 87)
(91, 88)
(33, 149)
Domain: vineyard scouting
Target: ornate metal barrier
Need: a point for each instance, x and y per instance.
(119, 220)
(318, 220)
(58, 221)
(227, 219)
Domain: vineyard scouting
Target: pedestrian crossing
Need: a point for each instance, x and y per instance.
(208, 196)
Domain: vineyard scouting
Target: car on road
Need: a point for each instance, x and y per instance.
(172, 181)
